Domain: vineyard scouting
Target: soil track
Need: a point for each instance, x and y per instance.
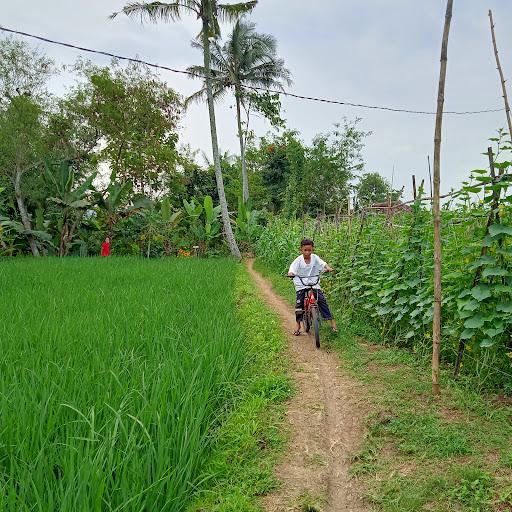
(326, 419)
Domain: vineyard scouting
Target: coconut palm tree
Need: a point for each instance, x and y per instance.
(246, 59)
(210, 12)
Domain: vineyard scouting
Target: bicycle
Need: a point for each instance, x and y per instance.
(311, 316)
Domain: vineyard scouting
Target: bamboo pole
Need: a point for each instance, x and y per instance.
(502, 77)
(349, 212)
(430, 176)
(436, 207)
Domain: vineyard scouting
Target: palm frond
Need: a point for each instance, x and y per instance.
(197, 97)
(200, 95)
(158, 11)
(247, 58)
(196, 71)
(267, 74)
(232, 12)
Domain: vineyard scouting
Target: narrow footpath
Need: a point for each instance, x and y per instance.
(326, 419)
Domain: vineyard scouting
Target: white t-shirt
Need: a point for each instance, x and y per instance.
(310, 270)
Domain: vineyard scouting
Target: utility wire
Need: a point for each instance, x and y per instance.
(273, 91)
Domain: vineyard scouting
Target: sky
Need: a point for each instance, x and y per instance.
(377, 52)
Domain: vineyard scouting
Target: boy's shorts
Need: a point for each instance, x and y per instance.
(322, 305)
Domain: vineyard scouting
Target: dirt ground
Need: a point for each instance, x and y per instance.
(327, 421)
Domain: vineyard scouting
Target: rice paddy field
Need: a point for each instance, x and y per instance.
(116, 376)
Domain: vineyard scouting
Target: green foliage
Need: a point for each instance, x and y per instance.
(113, 200)
(387, 272)
(136, 420)
(474, 489)
(302, 179)
(136, 114)
(266, 104)
(484, 306)
(21, 138)
(24, 71)
(247, 223)
(373, 188)
(203, 223)
(70, 198)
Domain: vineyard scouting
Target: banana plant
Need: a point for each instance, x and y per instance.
(204, 221)
(112, 201)
(247, 225)
(193, 209)
(71, 199)
(160, 224)
(11, 231)
(212, 213)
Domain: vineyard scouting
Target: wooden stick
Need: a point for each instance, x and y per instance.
(502, 77)
(349, 211)
(398, 205)
(436, 208)
(430, 177)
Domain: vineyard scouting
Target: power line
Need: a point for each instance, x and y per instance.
(273, 91)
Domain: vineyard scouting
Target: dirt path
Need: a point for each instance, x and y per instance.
(325, 416)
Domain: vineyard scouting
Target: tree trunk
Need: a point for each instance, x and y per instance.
(436, 208)
(502, 77)
(25, 219)
(63, 237)
(71, 231)
(245, 178)
(233, 247)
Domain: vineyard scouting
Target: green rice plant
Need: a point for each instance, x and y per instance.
(114, 375)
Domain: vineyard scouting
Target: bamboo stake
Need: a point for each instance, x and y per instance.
(502, 77)
(349, 211)
(430, 177)
(436, 207)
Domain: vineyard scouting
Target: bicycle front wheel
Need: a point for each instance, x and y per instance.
(307, 320)
(315, 321)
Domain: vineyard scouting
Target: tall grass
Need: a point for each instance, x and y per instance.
(113, 373)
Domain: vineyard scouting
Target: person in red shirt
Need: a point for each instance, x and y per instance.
(105, 247)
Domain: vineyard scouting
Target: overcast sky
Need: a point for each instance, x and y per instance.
(379, 52)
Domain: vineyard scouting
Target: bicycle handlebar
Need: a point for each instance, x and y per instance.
(307, 277)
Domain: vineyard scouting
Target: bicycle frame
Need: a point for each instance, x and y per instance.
(310, 300)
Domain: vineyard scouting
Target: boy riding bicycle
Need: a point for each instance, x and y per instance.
(305, 266)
